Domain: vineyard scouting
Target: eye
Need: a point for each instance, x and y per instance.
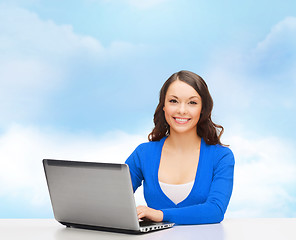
(192, 102)
(173, 101)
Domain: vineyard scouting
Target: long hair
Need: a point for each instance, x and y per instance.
(206, 129)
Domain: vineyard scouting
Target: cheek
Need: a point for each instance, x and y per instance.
(166, 115)
(197, 114)
(167, 110)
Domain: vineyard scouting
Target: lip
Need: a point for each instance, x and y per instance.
(181, 120)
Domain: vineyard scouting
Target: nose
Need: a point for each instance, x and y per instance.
(182, 109)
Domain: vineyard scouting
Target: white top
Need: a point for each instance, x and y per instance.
(176, 192)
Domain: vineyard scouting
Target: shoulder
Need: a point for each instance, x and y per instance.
(146, 153)
(220, 154)
(150, 146)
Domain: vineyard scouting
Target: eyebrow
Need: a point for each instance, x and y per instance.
(189, 98)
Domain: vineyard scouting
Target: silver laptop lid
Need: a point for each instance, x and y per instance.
(94, 194)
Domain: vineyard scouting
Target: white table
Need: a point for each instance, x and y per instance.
(238, 229)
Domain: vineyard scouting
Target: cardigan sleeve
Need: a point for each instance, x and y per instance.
(134, 164)
(213, 209)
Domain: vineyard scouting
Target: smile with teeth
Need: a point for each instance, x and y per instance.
(181, 120)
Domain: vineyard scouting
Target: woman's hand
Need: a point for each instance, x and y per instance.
(149, 213)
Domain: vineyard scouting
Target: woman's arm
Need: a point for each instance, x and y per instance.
(133, 162)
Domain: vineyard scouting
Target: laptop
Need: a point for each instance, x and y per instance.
(95, 196)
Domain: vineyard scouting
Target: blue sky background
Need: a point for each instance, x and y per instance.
(80, 80)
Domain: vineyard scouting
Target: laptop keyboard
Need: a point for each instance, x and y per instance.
(146, 223)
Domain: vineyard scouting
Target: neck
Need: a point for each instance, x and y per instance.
(184, 141)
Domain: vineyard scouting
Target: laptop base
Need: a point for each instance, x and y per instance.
(106, 229)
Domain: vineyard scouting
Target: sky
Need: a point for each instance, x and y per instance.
(80, 80)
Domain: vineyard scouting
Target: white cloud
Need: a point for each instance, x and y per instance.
(39, 57)
(23, 148)
(252, 88)
(275, 55)
(263, 77)
(265, 171)
(284, 31)
(33, 60)
(24, 33)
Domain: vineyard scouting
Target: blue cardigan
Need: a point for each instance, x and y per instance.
(211, 192)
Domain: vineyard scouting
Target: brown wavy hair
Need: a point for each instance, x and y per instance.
(206, 129)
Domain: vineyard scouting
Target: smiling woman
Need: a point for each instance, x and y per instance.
(182, 107)
(194, 87)
(186, 172)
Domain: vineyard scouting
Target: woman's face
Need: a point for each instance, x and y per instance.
(182, 107)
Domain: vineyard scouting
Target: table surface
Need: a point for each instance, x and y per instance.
(258, 228)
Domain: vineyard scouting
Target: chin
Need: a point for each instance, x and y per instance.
(183, 131)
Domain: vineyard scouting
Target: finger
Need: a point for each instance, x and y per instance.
(139, 212)
(141, 207)
(141, 215)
